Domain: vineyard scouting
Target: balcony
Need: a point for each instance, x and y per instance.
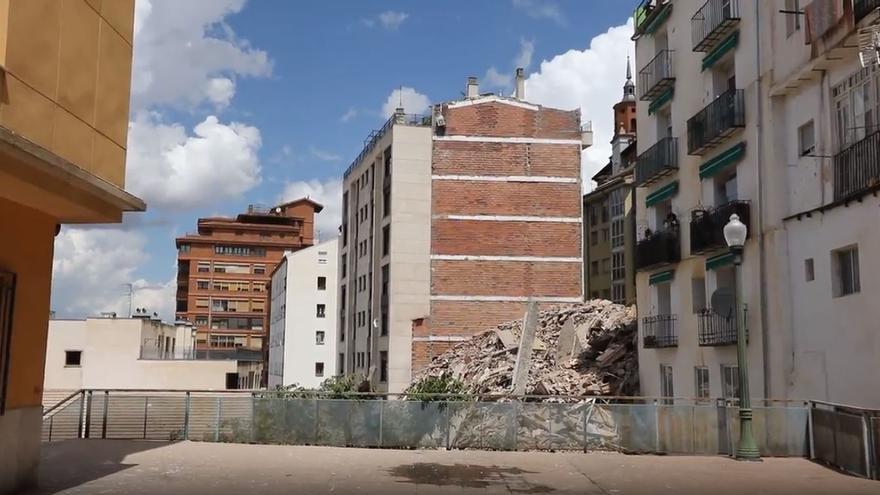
(658, 331)
(718, 120)
(657, 76)
(657, 161)
(714, 22)
(715, 330)
(861, 8)
(707, 226)
(657, 249)
(649, 14)
(857, 168)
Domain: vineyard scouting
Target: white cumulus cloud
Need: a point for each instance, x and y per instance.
(592, 80)
(411, 100)
(324, 155)
(328, 192)
(349, 114)
(392, 20)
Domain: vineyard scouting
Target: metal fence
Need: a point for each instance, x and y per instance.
(624, 424)
(846, 437)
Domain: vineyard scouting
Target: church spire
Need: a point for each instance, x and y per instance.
(629, 87)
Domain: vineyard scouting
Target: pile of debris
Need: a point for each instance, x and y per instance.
(580, 349)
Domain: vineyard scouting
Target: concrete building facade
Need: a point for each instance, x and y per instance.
(66, 72)
(451, 222)
(303, 312)
(749, 110)
(130, 353)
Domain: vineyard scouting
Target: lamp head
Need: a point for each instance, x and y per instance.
(735, 232)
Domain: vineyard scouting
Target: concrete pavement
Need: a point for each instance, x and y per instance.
(136, 467)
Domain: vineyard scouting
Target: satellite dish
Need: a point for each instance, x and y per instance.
(724, 302)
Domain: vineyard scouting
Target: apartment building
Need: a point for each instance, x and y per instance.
(451, 223)
(140, 352)
(66, 72)
(609, 212)
(767, 114)
(303, 311)
(223, 271)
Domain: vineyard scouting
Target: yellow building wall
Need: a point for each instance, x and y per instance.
(67, 78)
(27, 250)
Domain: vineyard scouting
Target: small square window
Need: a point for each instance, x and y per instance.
(322, 283)
(319, 337)
(846, 266)
(320, 310)
(72, 358)
(806, 139)
(319, 369)
(809, 270)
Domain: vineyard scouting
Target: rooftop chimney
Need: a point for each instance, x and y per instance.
(473, 88)
(520, 93)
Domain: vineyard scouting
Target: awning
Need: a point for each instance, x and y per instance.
(660, 277)
(662, 194)
(719, 51)
(661, 101)
(660, 19)
(719, 261)
(725, 158)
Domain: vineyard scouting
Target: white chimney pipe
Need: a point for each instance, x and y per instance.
(473, 88)
(520, 93)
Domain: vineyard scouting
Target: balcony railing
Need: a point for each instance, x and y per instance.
(862, 8)
(857, 168)
(657, 76)
(707, 226)
(719, 119)
(658, 249)
(716, 330)
(647, 12)
(657, 161)
(659, 331)
(715, 20)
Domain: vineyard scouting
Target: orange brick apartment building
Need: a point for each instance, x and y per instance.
(451, 222)
(222, 272)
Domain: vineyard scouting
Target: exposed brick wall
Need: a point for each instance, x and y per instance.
(423, 352)
(499, 119)
(480, 237)
(505, 198)
(470, 158)
(505, 278)
(471, 317)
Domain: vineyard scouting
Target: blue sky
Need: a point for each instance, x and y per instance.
(238, 102)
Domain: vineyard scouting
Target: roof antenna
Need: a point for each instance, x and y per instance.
(400, 96)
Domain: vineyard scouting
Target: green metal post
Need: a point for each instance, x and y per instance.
(747, 450)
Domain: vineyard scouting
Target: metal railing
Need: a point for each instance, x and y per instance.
(846, 437)
(862, 8)
(715, 20)
(707, 226)
(660, 248)
(374, 136)
(657, 161)
(646, 12)
(714, 329)
(716, 121)
(659, 331)
(149, 351)
(857, 168)
(501, 422)
(657, 76)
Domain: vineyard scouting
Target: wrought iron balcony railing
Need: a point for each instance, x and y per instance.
(658, 249)
(707, 226)
(715, 20)
(716, 330)
(657, 76)
(857, 168)
(647, 12)
(657, 161)
(719, 119)
(659, 331)
(862, 8)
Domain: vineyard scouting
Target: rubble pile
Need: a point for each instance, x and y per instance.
(581, 349)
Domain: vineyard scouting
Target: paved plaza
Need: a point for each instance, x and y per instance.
(137, 467)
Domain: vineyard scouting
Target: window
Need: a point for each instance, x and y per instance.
(259, 270)
(320, 310)
(201, 321)
(729, 381)
(618, 270)
(319, 337)
(322, 283)
(594, 268)
(617, 233)
(319, 369)
(698, 294)
(239, 251)
(792, 20)
(605, 213)
(344, 266)
(383, 366)
(340, 364)
(666, 383)
(204, 267)
(201, 303)
(618, 292)
(701, 382)
(846, 271)
(809, 270)
(606, 265)
(72, 358)
(806, 139)
(184, 248)
(594, 237)
(202, 284)
(605, 235)
(386, 240)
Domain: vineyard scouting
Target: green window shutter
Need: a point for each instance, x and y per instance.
(725, 158)
(718, 261)
(662, 194)
(660, 277)
(719, 51)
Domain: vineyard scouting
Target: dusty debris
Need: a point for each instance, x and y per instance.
(586, 349)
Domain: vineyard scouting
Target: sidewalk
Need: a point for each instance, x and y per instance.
(136, 467)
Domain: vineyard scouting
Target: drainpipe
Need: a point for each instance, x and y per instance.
(762, 260)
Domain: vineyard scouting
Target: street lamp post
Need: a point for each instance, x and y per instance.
(735, 233)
